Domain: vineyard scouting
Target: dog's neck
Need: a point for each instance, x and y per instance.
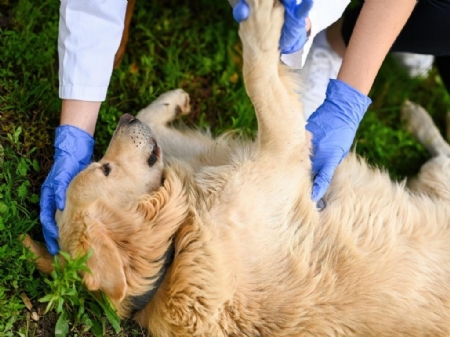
(139, 302)
(174, 202)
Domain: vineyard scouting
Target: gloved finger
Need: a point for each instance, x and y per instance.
(317, 165)
(51, 243)
(241, 11)
(327, 152)
(62, 181)
(60, 196)
(49, 229)
(302, 10)
(293, 35)
(322, 182)
(47, 214)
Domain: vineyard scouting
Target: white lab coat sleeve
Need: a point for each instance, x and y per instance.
(89, 36)
(322, 15)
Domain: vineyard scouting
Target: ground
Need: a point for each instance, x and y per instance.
(192, 45)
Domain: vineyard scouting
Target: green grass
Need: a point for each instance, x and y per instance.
(193, 45)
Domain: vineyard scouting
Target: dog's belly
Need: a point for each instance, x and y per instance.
(390, 252)
(376, 261)
(373, 250)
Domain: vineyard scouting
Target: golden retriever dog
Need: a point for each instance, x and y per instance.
(195, 236)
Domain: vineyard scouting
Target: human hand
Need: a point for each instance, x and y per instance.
(73, 152)
(294, 32)
(333, 127)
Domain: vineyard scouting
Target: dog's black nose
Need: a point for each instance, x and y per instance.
(126, 119)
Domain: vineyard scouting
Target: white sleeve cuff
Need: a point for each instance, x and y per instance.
(322, 15)
(83, 93)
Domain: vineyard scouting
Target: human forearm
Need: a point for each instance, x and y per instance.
(81, 114)
(378, 25)
(89, 35)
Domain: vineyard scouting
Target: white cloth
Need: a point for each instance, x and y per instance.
(322, 15)
(89, 36)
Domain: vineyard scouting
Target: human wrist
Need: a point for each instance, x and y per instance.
(75, 142)
(347, 101)
(80, 114)
(308, 26)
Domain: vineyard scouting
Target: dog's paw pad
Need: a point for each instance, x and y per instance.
(166, 107)
(176, 101)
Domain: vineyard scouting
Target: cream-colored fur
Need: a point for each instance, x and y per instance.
(253, 256)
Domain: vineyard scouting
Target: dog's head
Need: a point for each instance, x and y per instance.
(126, 209)
(132, 166)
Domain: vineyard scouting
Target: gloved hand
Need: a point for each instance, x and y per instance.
(73, 152)
(293, 33)
(333, 127)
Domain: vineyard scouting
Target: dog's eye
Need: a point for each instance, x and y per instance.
(106, 169)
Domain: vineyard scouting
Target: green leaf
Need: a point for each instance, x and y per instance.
(57, 265)
(17, 134)
(110, 312)
(59, 308)
(97, 329)
(35, 164)
(34, 198)
(22, 191)
(65, 255)
(62, 325)
(22, 168)
(95, 309)
(71, 292)
(13, 207)
(49, 305)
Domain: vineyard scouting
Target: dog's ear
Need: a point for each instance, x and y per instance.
(44, 260)
(107, 269)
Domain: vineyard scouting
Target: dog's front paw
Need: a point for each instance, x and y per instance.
(166, 108)
(261, 32)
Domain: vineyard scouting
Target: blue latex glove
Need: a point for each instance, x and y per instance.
(73, 152)
(293, 33)
(333, 127)
(241, 11)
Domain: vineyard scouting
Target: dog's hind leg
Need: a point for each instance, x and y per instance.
(420, 124)
(270, 86)
(434, 176)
